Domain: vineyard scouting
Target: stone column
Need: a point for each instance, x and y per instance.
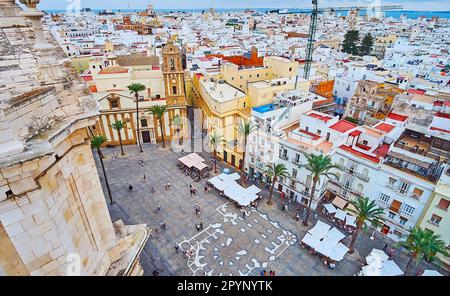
(10, 14)
(50, 69)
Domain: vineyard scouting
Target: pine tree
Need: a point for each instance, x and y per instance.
(366, 45)
(351, 41)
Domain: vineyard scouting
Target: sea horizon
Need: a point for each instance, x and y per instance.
(412, 14)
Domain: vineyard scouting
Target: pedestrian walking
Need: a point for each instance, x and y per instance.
(163, 225)
(144, 177)
(265, 272)
(194, 191)
(243, 215)
(271, 273)
(206, 189)
(155, 272)
(385, 248)
(176, 248)
(152, 189)
(256, 205)
(130, 188)
(158, 208)
(168, 186)
(191, 191)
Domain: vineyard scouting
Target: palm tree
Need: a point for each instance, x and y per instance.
(159, 111)
(275, 172)
(118, 126)
(214, 140)
(177, 121)
(97, 142)
(422, 243)
(365, 210)
(245, 128)
(135, 88)
(318, 165)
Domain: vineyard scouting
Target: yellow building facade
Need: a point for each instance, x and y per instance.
(435, 216)
(228, 98)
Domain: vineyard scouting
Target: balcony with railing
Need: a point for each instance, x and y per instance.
(352, 172)
(414, 166)
(284, 157)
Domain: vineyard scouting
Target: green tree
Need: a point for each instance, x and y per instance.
(135, 88)
(245, 128)
(318, 165)
(351, 40)
(366, 45)
(214, 140)
(177, 122)
(351, 119)
(159, 111)
(275, 172)
(422, 243)
(119, 126)
(97, 142)
(365, 210)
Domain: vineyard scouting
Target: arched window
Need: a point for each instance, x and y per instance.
(365, 173)
(360, 188)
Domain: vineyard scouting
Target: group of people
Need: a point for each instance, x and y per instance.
(264, 273)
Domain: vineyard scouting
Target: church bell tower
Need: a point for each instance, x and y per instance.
(173, 75)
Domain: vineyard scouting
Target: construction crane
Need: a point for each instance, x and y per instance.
(313, 25)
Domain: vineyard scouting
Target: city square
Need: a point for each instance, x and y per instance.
(266, 239)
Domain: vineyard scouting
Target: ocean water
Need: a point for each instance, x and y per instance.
(394, 14)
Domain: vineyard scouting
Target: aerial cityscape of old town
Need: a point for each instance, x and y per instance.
(219, 138)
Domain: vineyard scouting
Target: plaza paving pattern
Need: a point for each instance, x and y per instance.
(229, 244)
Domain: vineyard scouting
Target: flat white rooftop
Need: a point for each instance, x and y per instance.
(222, 92)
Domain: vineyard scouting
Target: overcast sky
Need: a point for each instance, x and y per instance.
(180, 4)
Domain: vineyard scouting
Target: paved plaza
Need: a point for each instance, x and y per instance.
(230, 243)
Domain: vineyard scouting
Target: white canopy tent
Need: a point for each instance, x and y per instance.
(311, 241)
(429, 272)
(334, 236)
(350, 220)
(227, 184)
(380, 254)
(390, 268)
(338, 252)
(319, 230)
(379, 265)
(193, 160)
(195, 157)
(326, 241)
(330, 208)
(340, 214)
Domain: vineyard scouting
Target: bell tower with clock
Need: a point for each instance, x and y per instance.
(174, 85)
(173, 75)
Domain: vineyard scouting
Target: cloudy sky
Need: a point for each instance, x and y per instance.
(174, 4)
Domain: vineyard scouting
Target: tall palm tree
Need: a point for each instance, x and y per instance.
(119, 126)
(422, 243)
(135, 88)
(275, 172)
(365, 210)
(318, 165)
(245, 128)
(214, 140)
(97, 142)
(177, 122)
(159, 111)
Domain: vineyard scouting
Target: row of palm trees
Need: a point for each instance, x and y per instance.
(421, 243)
(157, 110)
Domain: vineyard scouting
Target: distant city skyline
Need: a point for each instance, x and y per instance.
(420, 5)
